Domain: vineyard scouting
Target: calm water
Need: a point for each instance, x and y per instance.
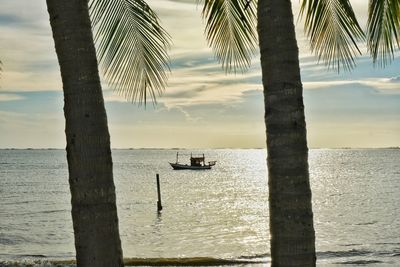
(219, 213)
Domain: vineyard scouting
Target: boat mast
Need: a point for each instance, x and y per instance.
(177, 157)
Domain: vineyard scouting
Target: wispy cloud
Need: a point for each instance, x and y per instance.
(10, 97)
(394, 79)
(383, 85)
(27, 48)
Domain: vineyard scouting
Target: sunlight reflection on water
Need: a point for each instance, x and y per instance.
(220, 213)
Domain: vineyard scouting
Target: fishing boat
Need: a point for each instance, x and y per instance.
(196, 163)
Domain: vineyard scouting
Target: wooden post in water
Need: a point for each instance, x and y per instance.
(159, 206)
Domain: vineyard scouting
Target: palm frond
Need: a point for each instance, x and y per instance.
(333, 30)
(383, 29)
(231, 31)
(131, 47)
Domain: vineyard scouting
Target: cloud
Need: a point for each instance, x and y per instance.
(223, 124)
(351, 102)
(384, 80)
(10, 97)
(111, 96)
(27, 48)
(394, 79)
(181, 5)
(381, 85)
(248, 105)
(324, 84)
(197, 78)
(8, 19)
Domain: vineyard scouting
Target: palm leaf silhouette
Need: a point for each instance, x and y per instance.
(131, 47)
(231, 31)
(333, 31)
(383, 29)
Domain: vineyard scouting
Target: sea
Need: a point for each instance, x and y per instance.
(220, 213)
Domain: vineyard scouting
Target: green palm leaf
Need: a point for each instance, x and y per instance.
(383, 29)
(333, 30)
(131, 47)
(231, 31)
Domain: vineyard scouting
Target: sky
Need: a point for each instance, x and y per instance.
(201, 107)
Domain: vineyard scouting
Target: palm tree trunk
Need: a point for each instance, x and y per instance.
(94, 211)
(291, 217)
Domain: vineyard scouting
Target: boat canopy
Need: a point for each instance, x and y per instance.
(197, 161)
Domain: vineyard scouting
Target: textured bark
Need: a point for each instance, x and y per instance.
(291, 217)
(94, 211)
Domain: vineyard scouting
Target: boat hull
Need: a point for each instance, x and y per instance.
(177, 166)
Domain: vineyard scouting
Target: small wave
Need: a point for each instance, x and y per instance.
(389, 253)
(360, 262)
(254, 257)
(43, 211)
(347, 253)
(9, 239)
(33, 256)
(54, 211)
(351, 245)
(32, 263)
(367, 223)
(387, 243)
(195, 261)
